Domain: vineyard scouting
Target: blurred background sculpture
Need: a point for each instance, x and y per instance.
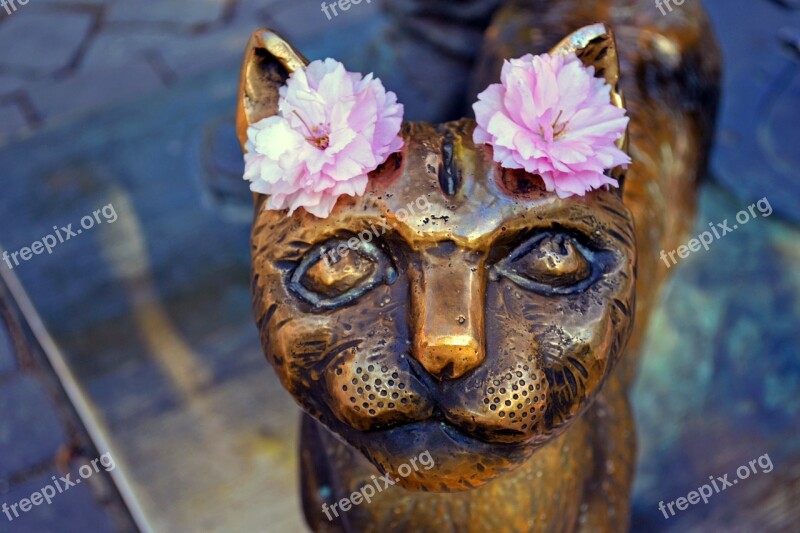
(517, 388)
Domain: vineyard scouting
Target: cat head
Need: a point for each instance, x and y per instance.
(456, 307)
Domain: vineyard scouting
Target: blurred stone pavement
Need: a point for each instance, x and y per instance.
(59, 58)
(40, 437)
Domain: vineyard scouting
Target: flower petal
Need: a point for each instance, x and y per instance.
(332, 129)
(551, 116)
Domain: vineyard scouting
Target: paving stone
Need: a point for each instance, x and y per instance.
(192, 56)
(30, 432)
(8, 361)
(12, 122)
(93, 89)
(304, 19)
(186, 54)
(756, 152)
(73, 510)
(67, 3)
(9, 84)
(41, 43)
(114, 48)
(158, 11)
(222, 169)
(253, 14)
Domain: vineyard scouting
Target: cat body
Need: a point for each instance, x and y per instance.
(491, 330)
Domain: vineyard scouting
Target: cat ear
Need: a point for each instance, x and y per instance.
(596, 47)
(268, 62)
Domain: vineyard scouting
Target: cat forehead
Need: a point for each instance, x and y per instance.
(440, 166)
(442, 187)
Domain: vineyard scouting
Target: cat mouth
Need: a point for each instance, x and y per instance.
(452, 425)
(442, 435)
(461, 437)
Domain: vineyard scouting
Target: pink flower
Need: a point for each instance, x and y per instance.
(552, 117)
(332, 129)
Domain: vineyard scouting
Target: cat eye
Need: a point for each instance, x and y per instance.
(551, 263)
(334, 274)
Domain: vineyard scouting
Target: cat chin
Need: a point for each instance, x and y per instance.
(454, 461)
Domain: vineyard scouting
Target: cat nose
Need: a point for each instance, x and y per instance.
(447, 309)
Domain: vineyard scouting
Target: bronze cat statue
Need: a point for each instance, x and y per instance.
(490, 328)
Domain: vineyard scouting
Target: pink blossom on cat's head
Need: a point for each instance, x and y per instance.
(332, 129)
(552, 117)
